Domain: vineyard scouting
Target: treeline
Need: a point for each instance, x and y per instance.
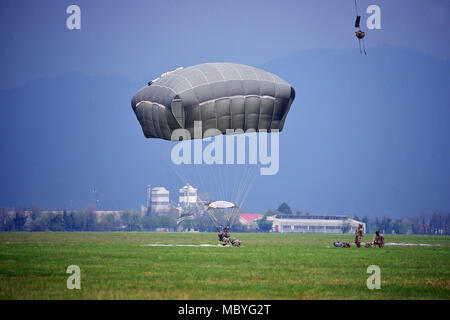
(435, 223)
(34, 219)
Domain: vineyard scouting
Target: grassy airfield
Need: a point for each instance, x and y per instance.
(269, 266)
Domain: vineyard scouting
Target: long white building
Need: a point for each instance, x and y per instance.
(313, 224)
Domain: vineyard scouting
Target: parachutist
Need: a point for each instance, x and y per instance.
(224, 235)
(358, 235)
(359, 33)
(378, 239)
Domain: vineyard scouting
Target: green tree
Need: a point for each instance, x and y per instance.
(35, 212)
(6, 221)
(55, 222)
(109, 223)
(69, 221)
(264, 225)
(271, 212)
(20, 218)
(91, 221)
(365, 219)
(346, 226)
(131, 220)
(284, 208)
(385, 225)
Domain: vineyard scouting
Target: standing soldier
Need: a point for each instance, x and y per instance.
(378, 239)
(358, 235)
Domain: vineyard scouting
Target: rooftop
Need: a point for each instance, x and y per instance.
(314, 217)
(250, 216)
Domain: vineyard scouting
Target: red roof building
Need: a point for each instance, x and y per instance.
(249, 218)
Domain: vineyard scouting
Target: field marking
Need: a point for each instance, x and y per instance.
(404, 244)
(181, 245)
(412, 244)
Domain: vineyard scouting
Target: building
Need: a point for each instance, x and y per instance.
(313, 224)
(250, 219)
(149, 196)
(159, 199)
(188, 196)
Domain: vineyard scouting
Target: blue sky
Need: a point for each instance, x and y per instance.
(366, 134)
(141, 39)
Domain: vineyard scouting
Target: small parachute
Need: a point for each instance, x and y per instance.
(223, 213)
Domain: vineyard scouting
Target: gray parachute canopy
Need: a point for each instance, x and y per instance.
(220, 95)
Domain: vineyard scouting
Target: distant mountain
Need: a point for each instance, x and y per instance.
(365, 135)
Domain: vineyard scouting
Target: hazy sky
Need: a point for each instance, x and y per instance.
(141, 39)
(341, 152)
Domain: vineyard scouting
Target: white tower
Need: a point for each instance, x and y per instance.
(159, 199)
(149, 196)
(188, 196)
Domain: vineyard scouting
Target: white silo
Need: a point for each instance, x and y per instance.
(188, 196)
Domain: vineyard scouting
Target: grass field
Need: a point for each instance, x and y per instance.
(268, 266)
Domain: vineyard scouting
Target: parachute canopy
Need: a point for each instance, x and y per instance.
(221, 95)
(221, 205)
(223, 213)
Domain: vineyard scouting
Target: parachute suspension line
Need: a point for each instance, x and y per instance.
(244, 183)
(241, 183)
(213, 219)
(251, 177)
(356, 8)
(179, 174)
(224, 182)
(199, 177)
(236, 181)
(363, 45)
(250, 186)
(234, 214)
(213, 172)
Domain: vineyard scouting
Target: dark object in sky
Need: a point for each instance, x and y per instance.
(221, 95)
(358, 19)
(359, 33)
